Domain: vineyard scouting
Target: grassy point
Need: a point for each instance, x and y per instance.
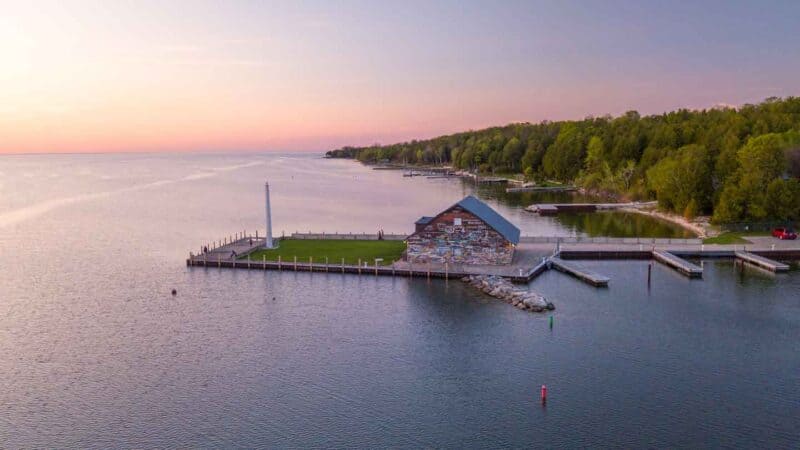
(334, 250)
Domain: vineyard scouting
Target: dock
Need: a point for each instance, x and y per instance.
(760, 261)
(549, 209)
(534, 256)
(681, 265)
(542, 189)
(579, 272)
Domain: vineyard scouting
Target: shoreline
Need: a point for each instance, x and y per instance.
(700, 226)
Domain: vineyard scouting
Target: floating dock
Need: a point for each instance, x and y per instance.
(760, 261)
(580, 273)
(681, 265)
(549, 209)
(542, 189)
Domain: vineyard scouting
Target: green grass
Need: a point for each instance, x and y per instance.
(334, 250)
(734, 237)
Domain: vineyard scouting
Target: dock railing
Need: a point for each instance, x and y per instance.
(349, 236)
(607, 240)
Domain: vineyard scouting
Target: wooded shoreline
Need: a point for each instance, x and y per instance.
(732, 164)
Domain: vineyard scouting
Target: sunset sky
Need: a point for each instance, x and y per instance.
(96, 76)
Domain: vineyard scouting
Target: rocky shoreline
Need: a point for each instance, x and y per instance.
(502, 289)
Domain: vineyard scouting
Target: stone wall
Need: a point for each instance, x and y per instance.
(471, 242)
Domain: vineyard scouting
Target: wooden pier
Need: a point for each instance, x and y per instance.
(530, 261)
(549, 209)
(681, 265)
(760, 261)
(542, 189)
(579, 272)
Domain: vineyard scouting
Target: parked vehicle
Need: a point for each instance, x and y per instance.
(784, 233)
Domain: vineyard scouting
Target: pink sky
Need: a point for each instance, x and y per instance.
(86, 76)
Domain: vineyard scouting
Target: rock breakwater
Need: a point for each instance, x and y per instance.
(502, 289)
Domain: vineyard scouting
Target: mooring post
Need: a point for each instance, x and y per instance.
(248, 261)
(295, 263)
(327, 267)
(359, 266)
(342, 265)
(219, 260)
(264, 260)
(279, 263)
(446, 271)
(376, 267)
(310, 263)
(649, 270)
(429, 270)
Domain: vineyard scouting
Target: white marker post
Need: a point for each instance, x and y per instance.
(268, 237)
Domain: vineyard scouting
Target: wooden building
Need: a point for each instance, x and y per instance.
(469, 232)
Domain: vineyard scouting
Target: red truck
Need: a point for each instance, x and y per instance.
(784, 233)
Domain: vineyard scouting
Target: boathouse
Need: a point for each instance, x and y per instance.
(469, 232)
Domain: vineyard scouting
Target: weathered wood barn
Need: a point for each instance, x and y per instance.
(469, 232)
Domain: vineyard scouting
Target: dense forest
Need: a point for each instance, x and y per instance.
(739, 164)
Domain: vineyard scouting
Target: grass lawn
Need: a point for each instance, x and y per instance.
(734, 237)
(335, 250)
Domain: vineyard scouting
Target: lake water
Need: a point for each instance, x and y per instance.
(95, 352)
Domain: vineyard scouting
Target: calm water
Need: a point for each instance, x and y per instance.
(94, 352)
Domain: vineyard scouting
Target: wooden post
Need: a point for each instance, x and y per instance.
(359, 266)
(327, 267)
(279, 264)
(310, 263)
(649, 270)
(248, 261)
(429, 270)
(376, 267)
(446, 271)
(295, 263)
(342, 265)
(219, 260)
(264, 260)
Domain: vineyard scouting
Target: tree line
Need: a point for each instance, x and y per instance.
(736, 164)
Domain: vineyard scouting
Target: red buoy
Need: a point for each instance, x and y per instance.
(544, 394)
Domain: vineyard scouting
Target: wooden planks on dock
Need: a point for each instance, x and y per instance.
(760, 261)
(581, 273)
(681, 265)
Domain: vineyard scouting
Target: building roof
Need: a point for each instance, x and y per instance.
(424, 220)
(491, 217)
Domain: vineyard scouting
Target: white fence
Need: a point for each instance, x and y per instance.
(349, 236)
(524, 239)
(607, 240)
